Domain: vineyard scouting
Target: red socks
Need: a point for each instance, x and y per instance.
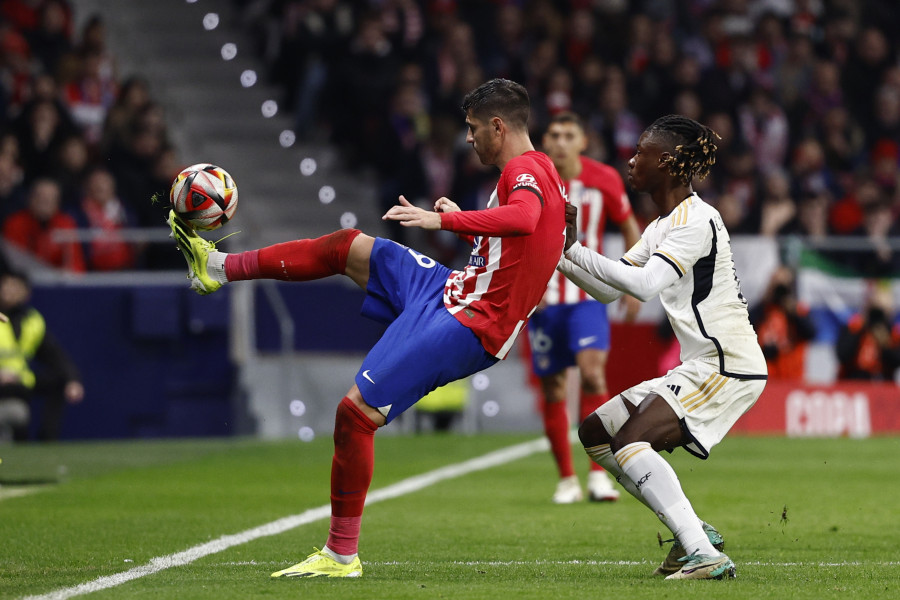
(556, 426)
(300, 260)
(351, 474)
(589, 403)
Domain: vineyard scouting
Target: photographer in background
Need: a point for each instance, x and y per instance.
(25, 344)
(783, 326)
(869, 344)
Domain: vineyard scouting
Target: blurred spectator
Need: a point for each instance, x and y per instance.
(32, 229)
(783, 327)
(90, 95)
(809, 173)
(823, 94)
(12, 191)
(32, 363)
(879, 259)
(617, 124)
(764, 126)
(312, 39)
(93, 40)
(50, 40)
(779, 210)
(70, 166)
(103, 212)
(812, 217)
(122, 116)
(41, 128)
(864, 72)
(404, 134)
(792, 78)
(884, 165)
(364, 84)
(883, 123)
(133, 164)
(846, 215)
(843, 142)
(869, 343)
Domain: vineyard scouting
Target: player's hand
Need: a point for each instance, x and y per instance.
(571, 228)
(4, 318)
(445, 205)
(409, 215)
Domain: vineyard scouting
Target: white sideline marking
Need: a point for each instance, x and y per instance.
(401, 488)
(18, 492)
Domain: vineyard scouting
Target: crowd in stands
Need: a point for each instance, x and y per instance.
(804, 93)
(81, 150)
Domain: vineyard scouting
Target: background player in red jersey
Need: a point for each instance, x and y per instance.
(443, 324)
(571, 328)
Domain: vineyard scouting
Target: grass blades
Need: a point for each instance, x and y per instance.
(801, 518)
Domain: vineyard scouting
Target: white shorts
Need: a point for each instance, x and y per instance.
(707, 403)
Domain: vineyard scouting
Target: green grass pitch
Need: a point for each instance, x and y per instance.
(801, 519)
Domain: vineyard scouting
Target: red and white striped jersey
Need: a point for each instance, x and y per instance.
(518, 242)
(598, 192)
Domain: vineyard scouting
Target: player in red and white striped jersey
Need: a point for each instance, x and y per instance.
(571, 328)
(443, 324)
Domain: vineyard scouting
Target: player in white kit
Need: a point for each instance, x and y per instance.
(685, 258)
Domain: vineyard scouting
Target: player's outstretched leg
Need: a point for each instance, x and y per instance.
(297, 260)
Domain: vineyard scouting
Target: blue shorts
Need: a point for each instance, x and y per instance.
(559, 332)
(424, 346)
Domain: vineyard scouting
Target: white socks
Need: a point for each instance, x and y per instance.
(341, 558)
(660, 490)
(215, 266)
(603, 456)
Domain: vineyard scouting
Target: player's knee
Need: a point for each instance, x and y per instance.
(591, 431)
(593, 383)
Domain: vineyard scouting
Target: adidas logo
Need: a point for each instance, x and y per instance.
(674, 388)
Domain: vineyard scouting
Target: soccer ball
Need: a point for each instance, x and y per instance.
(204, 196)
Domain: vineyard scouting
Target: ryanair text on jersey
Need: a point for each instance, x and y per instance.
(476, 261)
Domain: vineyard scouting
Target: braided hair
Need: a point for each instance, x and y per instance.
(695, 148)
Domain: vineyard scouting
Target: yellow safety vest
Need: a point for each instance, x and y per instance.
(16, 353)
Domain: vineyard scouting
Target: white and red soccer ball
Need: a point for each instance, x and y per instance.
(204, 196)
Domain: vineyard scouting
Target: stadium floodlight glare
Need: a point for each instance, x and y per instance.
(481, 382)
(287, 138)
(210, 21)
(297, 408)
(306, 434)
(248, 78)
(326, 194)
(269, 109)
(308, 166)
(348, 220)
(229, 51)
(490, 408)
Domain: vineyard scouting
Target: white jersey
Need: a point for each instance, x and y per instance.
(705, 306)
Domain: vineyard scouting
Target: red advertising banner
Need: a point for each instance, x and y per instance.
(846, 409)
